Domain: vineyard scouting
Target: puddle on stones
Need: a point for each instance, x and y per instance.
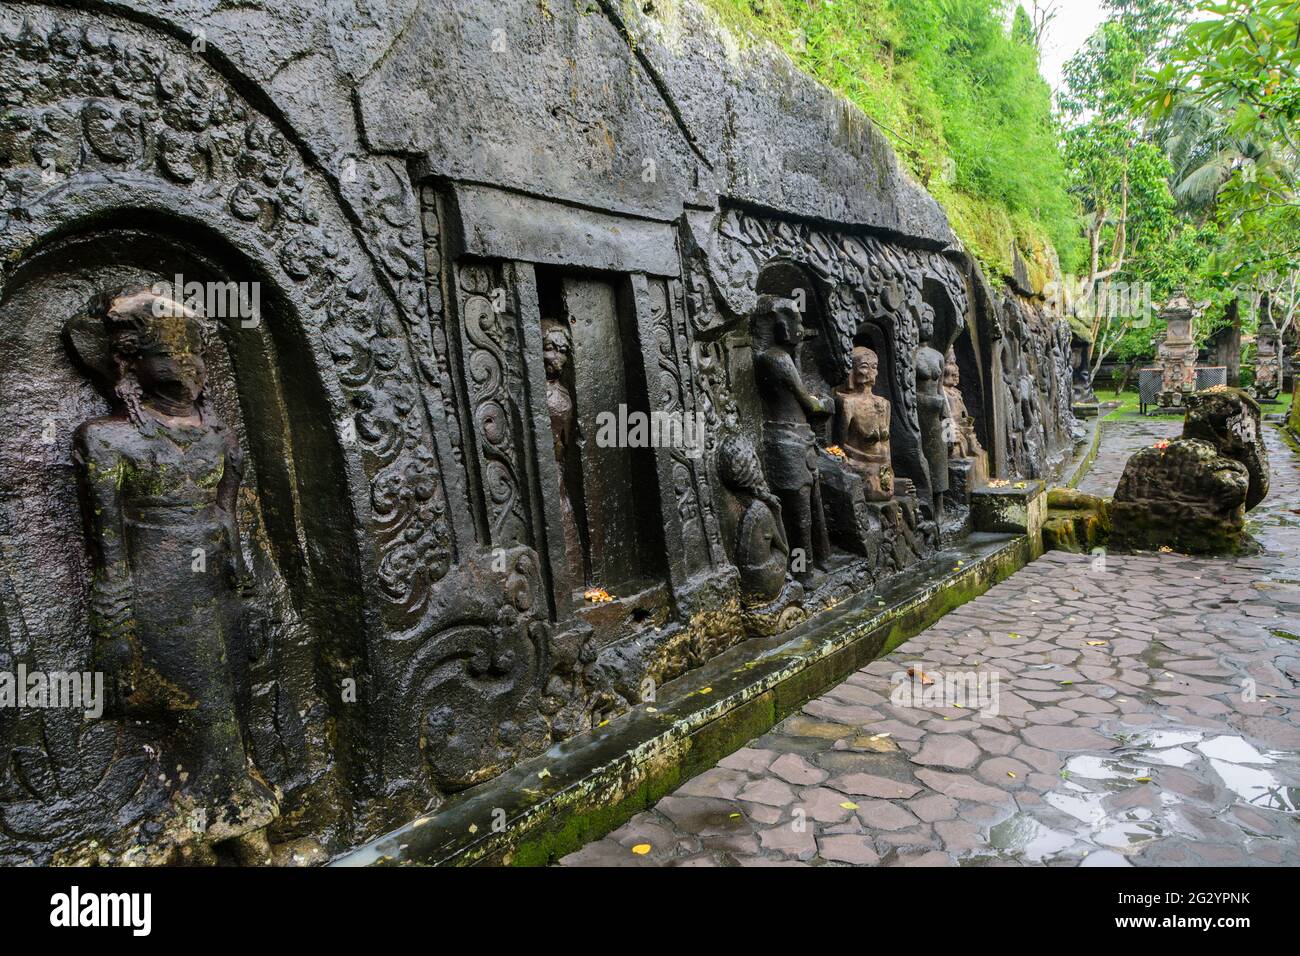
(1114, 772)
(1022, 835)
(1129, 829)
(1234, 750)
(1257, 787)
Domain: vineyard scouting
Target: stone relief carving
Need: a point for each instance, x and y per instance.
(491, 350)
(158, 487)
(789, 446)
(85, 97)
(439, 378)
(559, 403)
(963, 443)
(933, 409)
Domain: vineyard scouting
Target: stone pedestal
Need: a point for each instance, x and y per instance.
(961, 481)
(850, 524)
(1011, 509)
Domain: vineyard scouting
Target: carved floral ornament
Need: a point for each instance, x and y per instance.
(112, 106)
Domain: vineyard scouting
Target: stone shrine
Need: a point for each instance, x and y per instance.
(1177, 353)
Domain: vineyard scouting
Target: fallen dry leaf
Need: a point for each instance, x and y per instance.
(917, 674)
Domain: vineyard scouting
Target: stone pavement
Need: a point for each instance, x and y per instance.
(1120, 439)
(1131, 710)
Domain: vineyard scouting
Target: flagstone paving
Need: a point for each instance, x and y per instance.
(1146, 711)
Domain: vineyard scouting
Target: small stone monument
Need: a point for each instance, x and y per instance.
(1268, 355)
(1177, 353)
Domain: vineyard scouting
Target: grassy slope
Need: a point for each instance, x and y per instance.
(960, 101)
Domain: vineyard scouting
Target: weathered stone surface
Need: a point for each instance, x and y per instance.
(473, 227)
(1191, 494)
(1184, 496)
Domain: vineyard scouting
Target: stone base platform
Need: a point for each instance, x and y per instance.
(589, 785)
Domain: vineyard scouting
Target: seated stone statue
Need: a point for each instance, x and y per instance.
(875, 514)
(158, 484)
(862, 426)
(963, 443)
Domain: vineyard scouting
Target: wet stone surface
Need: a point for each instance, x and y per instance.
(1146, 712)
(1120, 439)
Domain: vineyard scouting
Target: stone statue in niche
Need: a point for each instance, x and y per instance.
(556, 349)
(862, 427)
(759, 547)
(789, 444)
(861, 430)
(963, 444)
(158, 484)
(932, 409)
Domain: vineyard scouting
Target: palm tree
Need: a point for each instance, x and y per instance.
(1205, 154)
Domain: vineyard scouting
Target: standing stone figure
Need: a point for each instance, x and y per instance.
(555, 356)
(862, 426)
(932, 409)
(963, 444)
(789, 446)
(158, 484)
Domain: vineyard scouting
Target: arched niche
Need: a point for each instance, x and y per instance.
(295, 512)
(818, 368)
(972, 391)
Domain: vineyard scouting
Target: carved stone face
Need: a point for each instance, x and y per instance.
(951, 373)
(789, 329)
(926, 323)
(866, 368)
(555, 353)
(161, 342)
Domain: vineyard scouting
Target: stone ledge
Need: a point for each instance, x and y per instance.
(589, 785)
(1082, 463)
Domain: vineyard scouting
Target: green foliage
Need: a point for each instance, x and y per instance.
(1228, 96)
(958, 95)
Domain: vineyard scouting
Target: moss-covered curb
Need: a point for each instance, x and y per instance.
(585, 787)
(1084, 464)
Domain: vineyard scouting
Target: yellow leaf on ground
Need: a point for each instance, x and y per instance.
(849, 805)
(641, 849)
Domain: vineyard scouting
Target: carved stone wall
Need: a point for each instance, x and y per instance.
(413, 625)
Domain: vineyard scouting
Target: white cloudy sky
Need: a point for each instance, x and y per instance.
(1075, 22)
